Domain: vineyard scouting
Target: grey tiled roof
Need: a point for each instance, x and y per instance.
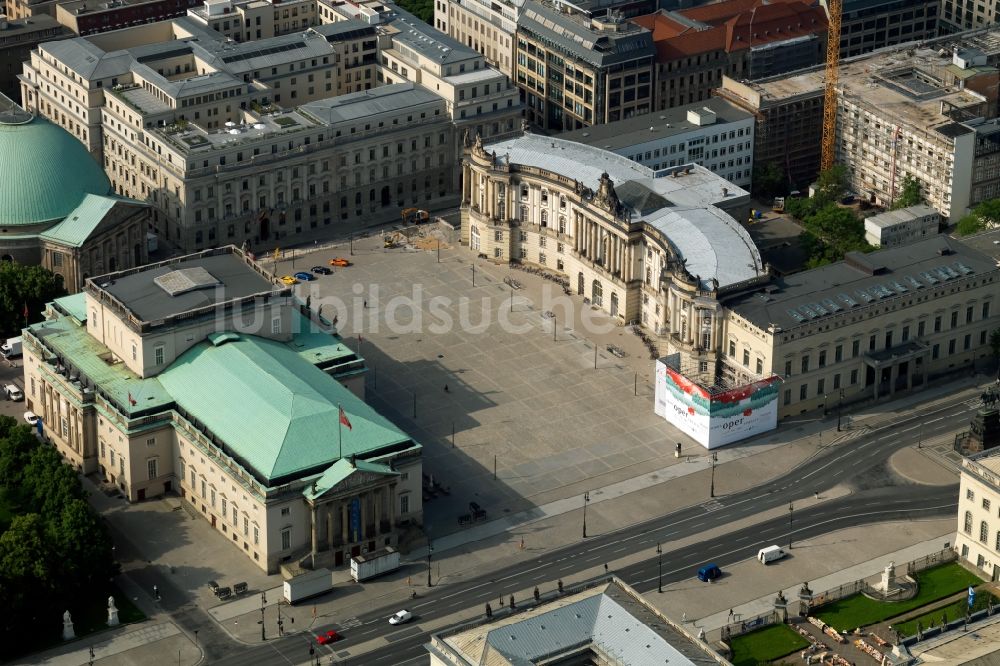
(712, 242)
(428, 42)
(87, 60)
(810, 296)
(573, 35)
(383, 99)
(669, 122)
(608, 619)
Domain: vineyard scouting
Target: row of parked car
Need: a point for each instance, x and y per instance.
(307, 276)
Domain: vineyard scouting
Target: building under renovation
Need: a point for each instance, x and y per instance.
(920, 110)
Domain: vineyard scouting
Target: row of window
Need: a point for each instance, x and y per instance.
(838, 354)
(227, 509)
(984, 531)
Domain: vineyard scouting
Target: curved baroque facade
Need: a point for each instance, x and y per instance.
(656, 248)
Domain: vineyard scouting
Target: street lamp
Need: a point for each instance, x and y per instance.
(586, 500)
(839, 405)
(715, 459)
(430, 550)
(791, 510)
(659, 562)
(263, 602)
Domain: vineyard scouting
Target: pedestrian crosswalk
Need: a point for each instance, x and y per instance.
(349, 623)
(711, 505)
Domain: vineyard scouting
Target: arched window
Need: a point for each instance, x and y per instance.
(474, 237)
(614, 304)
(984, 531)
(579, 284)
(545, 218)
(562, 224)
(968, 522)
(596, 293)
(524, 214)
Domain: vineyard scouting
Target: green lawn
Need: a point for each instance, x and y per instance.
(859, 611)
(95, 617)
(765, 645)
(952, 611)
(86, 620)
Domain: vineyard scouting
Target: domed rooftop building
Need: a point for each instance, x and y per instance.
(57, 207)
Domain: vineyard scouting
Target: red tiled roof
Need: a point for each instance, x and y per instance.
(662, 26)
(777, 21)
(718, 12)
(772, 23)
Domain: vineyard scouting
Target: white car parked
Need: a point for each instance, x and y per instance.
(402, 617)
(30, 417)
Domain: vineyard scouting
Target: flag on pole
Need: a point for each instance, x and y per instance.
(344, 420)
(26, 313)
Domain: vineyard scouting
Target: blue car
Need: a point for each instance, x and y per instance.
(302, 276)
(709, 572)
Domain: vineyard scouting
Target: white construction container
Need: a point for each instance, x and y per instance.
(374, 564)
(308, 585)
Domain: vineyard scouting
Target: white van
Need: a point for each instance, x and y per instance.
(13, 393)
(770, 554)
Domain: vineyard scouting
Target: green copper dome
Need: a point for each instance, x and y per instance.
(46, 172)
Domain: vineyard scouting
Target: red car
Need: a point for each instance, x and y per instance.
(330, 636)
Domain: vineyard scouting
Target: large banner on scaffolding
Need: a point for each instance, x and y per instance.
(720, 419)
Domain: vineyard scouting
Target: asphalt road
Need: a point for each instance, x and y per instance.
(860, 462)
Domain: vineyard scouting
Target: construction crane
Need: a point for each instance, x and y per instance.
(834, 9)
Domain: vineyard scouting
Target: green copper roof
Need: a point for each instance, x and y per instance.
(75, 305)
(46, 173)
(274, 410)
(84, 355)
(83, 220)
(339, 471)
(317, 346)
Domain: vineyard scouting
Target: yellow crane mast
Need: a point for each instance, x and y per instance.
(834, 8)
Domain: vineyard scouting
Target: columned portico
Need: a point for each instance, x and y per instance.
(897, 368)
(352, 509)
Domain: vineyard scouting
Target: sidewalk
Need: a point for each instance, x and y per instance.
(498, 542)
(871, 567)
(860, 423)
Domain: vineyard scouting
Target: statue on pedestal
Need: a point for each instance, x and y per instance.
(68, 633)
(112, 613)
(889, 577)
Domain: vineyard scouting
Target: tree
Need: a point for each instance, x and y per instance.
(56, 553)
(25, 286)
(801, 208)
(769, 181)
(988, 212)
(968, 225)
(911, 194)
(984, 216)
(77, 530)
(24, 555)
(16, 445)
(422, 9)
(831, 183)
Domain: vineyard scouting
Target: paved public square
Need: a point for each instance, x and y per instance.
(533, 406)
